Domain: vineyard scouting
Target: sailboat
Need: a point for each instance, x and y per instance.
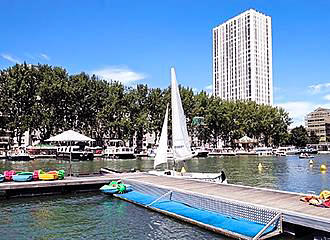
(180, 141)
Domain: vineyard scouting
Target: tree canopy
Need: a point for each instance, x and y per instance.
(49, 100)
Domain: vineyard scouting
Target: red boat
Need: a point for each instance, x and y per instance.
(9, 174)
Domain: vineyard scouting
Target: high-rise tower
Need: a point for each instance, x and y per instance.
(242, 58)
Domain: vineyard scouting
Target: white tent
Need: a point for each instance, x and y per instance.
(246, 139)
(70, 136)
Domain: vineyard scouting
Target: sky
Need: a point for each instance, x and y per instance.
(138, 41)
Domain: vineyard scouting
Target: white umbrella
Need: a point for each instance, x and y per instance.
(70, 136)
(246, 139)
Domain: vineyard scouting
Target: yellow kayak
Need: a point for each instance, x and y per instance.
(48, 176)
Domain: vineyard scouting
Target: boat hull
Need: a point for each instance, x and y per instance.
(209, 177)
(19, 158)
(202, 154)
(76, 156)
(121, 156)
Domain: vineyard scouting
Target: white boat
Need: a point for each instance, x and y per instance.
(200, 152)
(142, 153)
(42, 151)
(305, 155)
(221, 152)
(74, 152)
(180, 141)
(97, 151)
(284, 151)
(264, 151)
(19, 156)
(116, 149)
(152, 153)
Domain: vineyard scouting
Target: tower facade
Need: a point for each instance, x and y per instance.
(242, 58)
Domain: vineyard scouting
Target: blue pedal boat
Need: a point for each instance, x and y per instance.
(115, 187)
(2, 177)
(23, 177)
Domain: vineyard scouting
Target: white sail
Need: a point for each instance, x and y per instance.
(180, 139)
(161, 154)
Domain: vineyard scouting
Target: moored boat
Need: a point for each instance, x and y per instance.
(9, 174)
(284, 151)
(116, 149)
(264, 151)
(42, 151)
(74, 152)
(305, 155)
(49, 176)
(180, 140)
(307, 150)
(215, 152)
(23, 177)
(2, 177)
(20, 156)
(115, 187)
(209, 177)
(200, 152)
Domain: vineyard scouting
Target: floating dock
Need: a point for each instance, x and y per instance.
(293, 211)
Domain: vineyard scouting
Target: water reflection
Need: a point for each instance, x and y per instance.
(90, 216)
(284, 173)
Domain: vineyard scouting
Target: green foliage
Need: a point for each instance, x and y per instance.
(47, 99)
(299, 136)
(313, 138)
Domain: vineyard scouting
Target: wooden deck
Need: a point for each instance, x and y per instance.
(68, 181)
(294, 211)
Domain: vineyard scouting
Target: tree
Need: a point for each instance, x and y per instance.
(18, 98)
(313, 138)
(299, 136)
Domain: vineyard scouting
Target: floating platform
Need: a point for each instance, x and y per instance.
(191, 209)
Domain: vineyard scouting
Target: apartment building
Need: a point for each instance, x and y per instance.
(242, 58)
(318, 122)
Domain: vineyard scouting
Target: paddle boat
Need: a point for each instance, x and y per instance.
(48, 176)
(2, 177)
(9, 174)
(51, 175)
(116, 187)
(36, 174)
(60, 174)
(23, 177)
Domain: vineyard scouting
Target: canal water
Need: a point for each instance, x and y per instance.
(95, 216)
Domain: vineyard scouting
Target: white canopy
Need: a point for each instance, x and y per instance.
(70, 136)
(246, 139)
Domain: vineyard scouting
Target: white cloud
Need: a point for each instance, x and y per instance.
(298, 110)
(45, 56)
(209, 87)
(10, 58)
(319, 87)
(119, 73)
(327, 97)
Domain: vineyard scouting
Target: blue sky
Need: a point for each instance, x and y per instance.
(138, 42)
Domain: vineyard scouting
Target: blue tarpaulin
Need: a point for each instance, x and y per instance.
(236, 225)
